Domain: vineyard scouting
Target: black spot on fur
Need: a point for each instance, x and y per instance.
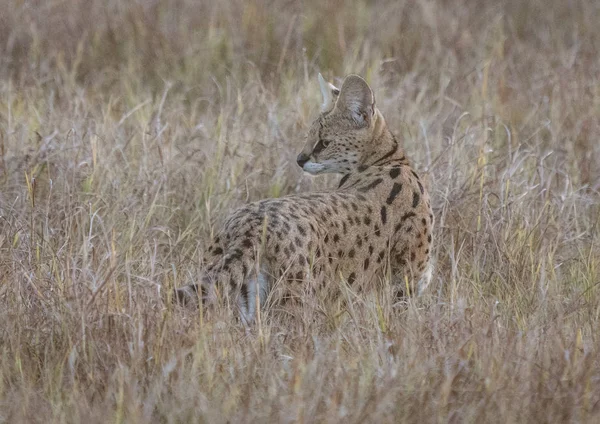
(367, 220)
(298, 241)
(247, 243)
(416, 199)
(351, 278)
(394, 193)
(299, 276)
(301, 230)
(394, 172)
(344, 179)
(383, 215)
(421, 187)
(359, 241)
(380, 256)
(218, 251)
(366, 264)
(371, 250)
(413, 256)
(336, 238)
(277, 248)
(407, 215)
(429, 238)
(377, 230)
(402, 219)
(351, 253)
(371, 186)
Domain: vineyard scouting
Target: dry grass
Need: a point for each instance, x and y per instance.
(129, 129)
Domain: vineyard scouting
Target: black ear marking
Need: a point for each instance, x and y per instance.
(335, 91)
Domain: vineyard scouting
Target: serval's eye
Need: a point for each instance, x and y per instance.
(321, 145)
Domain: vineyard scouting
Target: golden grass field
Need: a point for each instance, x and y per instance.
(128, 130)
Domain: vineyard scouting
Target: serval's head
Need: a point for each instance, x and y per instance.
(343, 137)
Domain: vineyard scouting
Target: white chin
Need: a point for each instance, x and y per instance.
(313, 168)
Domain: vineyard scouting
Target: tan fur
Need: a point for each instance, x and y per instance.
(379, 219)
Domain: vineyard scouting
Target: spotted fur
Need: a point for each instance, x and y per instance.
(377, 222)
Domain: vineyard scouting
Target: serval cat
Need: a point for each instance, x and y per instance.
(377, 222)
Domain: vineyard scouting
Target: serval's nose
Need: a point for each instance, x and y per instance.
(302, 159)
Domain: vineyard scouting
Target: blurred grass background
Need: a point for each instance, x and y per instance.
(128, 130)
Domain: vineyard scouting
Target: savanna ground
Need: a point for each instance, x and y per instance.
(129, 129)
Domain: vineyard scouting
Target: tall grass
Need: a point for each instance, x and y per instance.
(129, 129)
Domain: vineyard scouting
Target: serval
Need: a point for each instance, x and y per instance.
(377, 222)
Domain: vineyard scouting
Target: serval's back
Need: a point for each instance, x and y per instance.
(378, 221)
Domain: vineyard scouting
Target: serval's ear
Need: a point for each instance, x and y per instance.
(357, 98)
(329, 92)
